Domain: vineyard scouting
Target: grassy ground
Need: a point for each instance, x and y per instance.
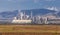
(39, 29)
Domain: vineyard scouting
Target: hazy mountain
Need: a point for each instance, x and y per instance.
(39, 11)
(9, 14)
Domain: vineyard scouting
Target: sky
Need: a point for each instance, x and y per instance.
(9, 5)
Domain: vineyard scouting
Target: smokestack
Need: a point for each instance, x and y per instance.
(24, 14)
(18, 16)
(31, 14)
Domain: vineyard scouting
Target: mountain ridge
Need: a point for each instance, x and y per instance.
(9, 14)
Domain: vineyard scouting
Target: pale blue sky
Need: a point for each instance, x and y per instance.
(9, 5)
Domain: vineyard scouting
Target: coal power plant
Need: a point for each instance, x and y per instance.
(23, 18)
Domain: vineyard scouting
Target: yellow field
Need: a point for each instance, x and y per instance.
(36, 29)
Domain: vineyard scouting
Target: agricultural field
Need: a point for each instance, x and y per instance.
(29, 29)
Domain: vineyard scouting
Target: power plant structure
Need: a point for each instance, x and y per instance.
(23, 18)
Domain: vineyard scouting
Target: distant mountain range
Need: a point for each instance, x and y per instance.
(39, 11)
(9, 14)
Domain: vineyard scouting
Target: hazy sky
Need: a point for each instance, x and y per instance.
(7, 5)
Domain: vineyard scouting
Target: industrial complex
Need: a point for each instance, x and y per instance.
(23, 18)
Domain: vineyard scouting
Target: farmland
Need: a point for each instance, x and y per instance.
(30, 29)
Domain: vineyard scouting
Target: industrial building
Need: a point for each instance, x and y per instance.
(46, 19)
(53, 21)
(23, 18)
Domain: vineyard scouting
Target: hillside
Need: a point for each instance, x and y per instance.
(11, 14)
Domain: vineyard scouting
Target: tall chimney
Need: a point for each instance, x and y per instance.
(19, 14)
(24, 15)
(31, 14)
